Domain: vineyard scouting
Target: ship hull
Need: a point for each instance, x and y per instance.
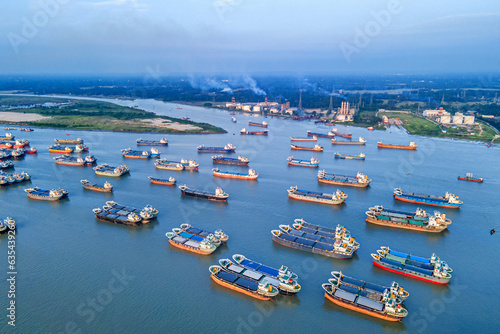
(98, 189)
(427, 202)
(203, 196)
(109, 174)
(238, 289)
(405, 273)
(255, 133)
(235, 176)
(315, 200)
(230, 162)
(70, 164)
(470, 179)
(191, 249)
(405, 226)
(44, 198)
(310, 249)
(340, 183)
(302, 139)
(397, 147)
(302, 164)
(163, 183)
(116, 221)
(348, 143)
(302, 148)
(60, 151)
(136, 156)
(258, 124)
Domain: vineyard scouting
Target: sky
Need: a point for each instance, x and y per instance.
(210, 37)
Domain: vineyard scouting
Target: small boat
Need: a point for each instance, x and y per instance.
(337, 233)
(60, 149)
(26, 129)
(17, 153)
(229, 148)
(191, 242)
(338, 251)
(77, 141)
(310, 196)
(170, 182)
(106, 170)
(370, 128)
(447, 201)
(284, 279)
(131, 219)
(219, 194)
(222, 160)
(262, 125)
(10, 179)
(257, 133)
(242, 284)
(359, 181)
(252, 175)
(66, 160)
(349, 157)
(30, 150)
(428, 269)
(469, 177)
(144, 142)
(46, 195)
(147, 213)
(7, 224)
(411, 146)
(190, 164)
(319, 237)
(314, 138)
(233, 119)
(217, 238)
(318, 135)
(303, 163)
(420, 220)
(134, 154)
(357, 300)
(20, 143)
(343, 135)
(6, 164)
(8, 136)
(4, 155)
(316, 148)
(5, 144)
(360, 141)
(106, 188)
(168, 165)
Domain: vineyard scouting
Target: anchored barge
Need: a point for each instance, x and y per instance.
(217, 238)
(360, 141)
(106, 188)
(60, 149)
(343, 135)
(66, 160)
(318, 135)
(229, 148)
(131, 219)
(262, 125)
(191, 242)
(310, 196)
(261, 133)
(144, 142)
(420, 220)
(220, 159)
(189, 164)
(147, 213)
(7, 224)
(316, 148)
(135, 154)
(349, 157)
(319, 237)
(469, 177)
(46, 195)
(242, 284)
(314, 163)
(77, 141)
(219, 194)
(412, 146)
(170, 182)
(359, 181)
(314, 138)
(447, 201)
(168, 165)
(337, 233)
(30, 150)
(252, 175)
(428, 269)
(106, 170)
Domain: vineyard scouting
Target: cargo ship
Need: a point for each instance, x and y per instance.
(147, 213)
(316, 148)
(284, 278)
(420, 220)
(310, 196)
(349, 157)
(262, 125)
(256, 133)
(131, 219)
(144, 142)
(285, 287)
(191, 242)
(6, 164)
(242, 284)
(343, 135)
(77, 141)
(5, 154)
(314, 138)
(134, 154)
(217, 238)
(359, 181)
(170, 182)
(252, 175)
(320, 135)
(220, 159)
(337, 233)
(7, 224)
(319, 236)
(106, 188)
(447, 201)
(60, 149)
(20, 143)
(469, 177)
(360, 141)
(74, 161)
(10, 179)
(168, 165)
(219, 194)
(358, 300)
(229, 148)
(314, 163)
(312, 246)
(412, 146)
(27, 129)
(8, 136)
(233, 119)
(190, 164)
(427, 269)
(106, 170)
(46, 195)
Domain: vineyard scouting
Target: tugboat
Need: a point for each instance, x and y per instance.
(242, 284)
(106, 170)
(131, 219)
(46, 195)
(261, 133)
(252, 175)
(469, 177)
(284, 279)
(190, 164)
(349, 157)
(359, 181)
(217, 238)
(310, 196)
(428, 269)
(6, 164)
(412, 146)
(314, 163)
(77, 141)
(314, 138)
(360, 141)
(322, 135)
(338, 251)
(106, 188)
(191, 242)
(447, 201)
(143, 142)
(170, 182)
(8, 224)
(134, 154)
(262, 125)
(316, 148)
(222, 160)
(60, 149)
(420, 220)
(168, 165)
(229, 148)
(337, 233)
(219, 194)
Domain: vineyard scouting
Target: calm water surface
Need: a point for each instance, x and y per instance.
(69, 264)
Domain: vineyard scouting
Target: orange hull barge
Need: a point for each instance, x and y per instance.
(412, 146)
(316, 148)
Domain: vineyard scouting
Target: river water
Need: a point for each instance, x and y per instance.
(77, 273)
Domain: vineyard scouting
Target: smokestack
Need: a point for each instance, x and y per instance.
(266, 101)
(300, 100)
(234, 102)
(331, 104)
